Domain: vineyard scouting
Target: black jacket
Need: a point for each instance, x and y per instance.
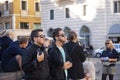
(78, 57)
(33, 69)
(56, 63)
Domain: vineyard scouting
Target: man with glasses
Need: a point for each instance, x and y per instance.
(35, 63)
(59, 61)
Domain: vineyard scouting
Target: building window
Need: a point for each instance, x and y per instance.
(7, 25)
(84, 10)
(51, 14)
(18, 37)
(67, 12)
(24, 25)
(37, 25)
(24, 5)
(116, 6)
(6, 5)
(37, 6)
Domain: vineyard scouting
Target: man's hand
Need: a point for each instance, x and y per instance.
(40, 57)
(112, 60)
(67, 65)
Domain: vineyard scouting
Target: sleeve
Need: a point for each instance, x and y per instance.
(81, 53)
(102, 55)
(18, 50)
(54, 56)
(28, 64)
(116, 55)
(68, 58)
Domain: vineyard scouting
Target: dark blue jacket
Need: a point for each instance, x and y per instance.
(5, 41)
(110, 54)
(11, 52)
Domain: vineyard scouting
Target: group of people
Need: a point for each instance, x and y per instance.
(59, 61)
(11, 52)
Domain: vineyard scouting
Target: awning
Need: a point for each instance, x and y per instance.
(114, 35)
(115, 29)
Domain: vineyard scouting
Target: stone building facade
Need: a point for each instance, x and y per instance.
(94, 20)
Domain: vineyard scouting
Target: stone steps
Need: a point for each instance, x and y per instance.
(11, 75)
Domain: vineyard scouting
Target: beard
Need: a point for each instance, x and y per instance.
(40, 42)
(62, 41)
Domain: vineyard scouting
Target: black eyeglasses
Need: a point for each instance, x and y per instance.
(62, 35)
(41, 36)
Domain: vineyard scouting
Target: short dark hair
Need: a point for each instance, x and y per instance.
(34, 33)
(56, 32)
(23, 40)
(72, 35)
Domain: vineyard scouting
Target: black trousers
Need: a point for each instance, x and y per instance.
(104, 76)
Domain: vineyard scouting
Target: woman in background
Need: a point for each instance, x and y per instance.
(109, 58)
(76, 72)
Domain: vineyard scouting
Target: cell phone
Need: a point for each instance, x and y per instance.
(39, 51)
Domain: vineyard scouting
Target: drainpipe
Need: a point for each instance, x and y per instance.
(105, 19)
(13, 21)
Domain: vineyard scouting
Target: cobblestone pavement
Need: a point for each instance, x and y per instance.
(98, 67)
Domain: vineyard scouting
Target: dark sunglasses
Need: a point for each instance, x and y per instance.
(41, 36)
(62, 35)
(107, 43)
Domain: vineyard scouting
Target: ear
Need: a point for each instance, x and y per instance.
(56, 38)
(34, 39)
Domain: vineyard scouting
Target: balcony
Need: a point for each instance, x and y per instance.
(62, 0)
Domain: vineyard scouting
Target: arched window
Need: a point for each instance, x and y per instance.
(67, 30)
(85, 32)
(50, 31)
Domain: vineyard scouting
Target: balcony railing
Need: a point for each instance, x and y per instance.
(62, 0)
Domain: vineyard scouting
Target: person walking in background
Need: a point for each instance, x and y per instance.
(76, 72)
(90, 49)
(35, 61)
(109, 58)
(12, 56)
(59, 60)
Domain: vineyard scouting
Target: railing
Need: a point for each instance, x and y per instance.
(61, 0)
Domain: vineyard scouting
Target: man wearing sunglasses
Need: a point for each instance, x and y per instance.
(35, 63)
(59, 61)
